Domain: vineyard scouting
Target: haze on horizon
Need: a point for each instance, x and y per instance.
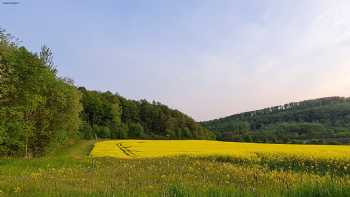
(206, 58)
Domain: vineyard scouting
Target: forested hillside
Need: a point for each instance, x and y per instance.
(40, 110)
(107, 115)
(324, 120)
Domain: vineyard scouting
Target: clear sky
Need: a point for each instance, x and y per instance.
(207, 58)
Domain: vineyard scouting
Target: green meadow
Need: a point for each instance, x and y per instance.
(72, 172)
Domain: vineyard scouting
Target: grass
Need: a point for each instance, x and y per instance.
(72, 172)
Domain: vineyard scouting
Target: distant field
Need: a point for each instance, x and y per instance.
(160, 148)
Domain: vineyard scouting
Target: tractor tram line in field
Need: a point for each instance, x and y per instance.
(126, 150)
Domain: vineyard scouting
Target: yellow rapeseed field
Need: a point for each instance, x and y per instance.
(161, 148)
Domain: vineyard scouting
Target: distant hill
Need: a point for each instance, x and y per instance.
(323, 120)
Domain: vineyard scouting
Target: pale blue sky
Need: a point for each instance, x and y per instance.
(206, 58)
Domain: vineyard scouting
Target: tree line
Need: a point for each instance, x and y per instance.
(39, 110)
(107, 115)
(324, 120)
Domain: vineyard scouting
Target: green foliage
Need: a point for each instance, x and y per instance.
(136, 130)
(325, 120)
(134, 119)
(123, 131)
(85, 131)
(38, 109)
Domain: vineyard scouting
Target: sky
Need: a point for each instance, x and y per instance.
(206, 58)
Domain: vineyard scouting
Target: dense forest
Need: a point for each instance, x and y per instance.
(39, 110)
(107, 115)
(324, 120)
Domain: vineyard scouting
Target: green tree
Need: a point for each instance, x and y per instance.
(38, 108)
(135, 130)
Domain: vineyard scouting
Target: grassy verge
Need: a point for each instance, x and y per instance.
(71, 172)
